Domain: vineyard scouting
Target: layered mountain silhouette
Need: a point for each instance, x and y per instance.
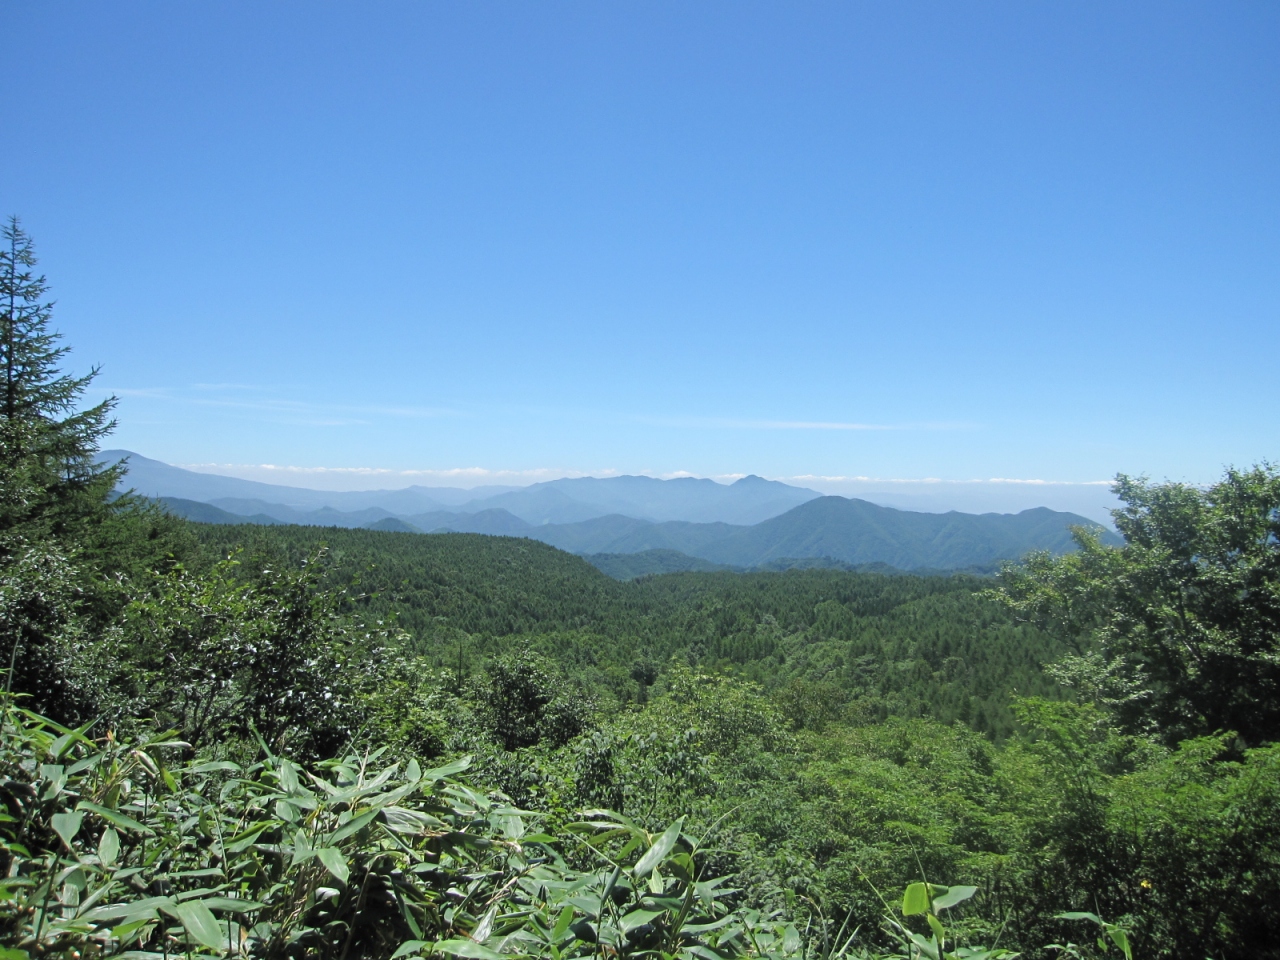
(747, 501)
(675, 524)
(853, 532)
(152, 478)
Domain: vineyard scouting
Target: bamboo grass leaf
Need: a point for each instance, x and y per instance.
(66, 826)
(661, 847)
(200, 923)
(334, 862)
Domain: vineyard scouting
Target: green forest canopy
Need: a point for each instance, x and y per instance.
(873, 643)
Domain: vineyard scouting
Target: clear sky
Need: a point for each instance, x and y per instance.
(816, 240)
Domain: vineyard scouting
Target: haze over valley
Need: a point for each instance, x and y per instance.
(748, 524)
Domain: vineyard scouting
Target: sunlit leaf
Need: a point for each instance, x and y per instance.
(915, 900)
(200, 923)
(114, 817)
(1119, 938)
(468, 948)
(953, 896)
(108, 847)
(334, 862)
(637, 918)
(137, 910)
(66, 825)
(214, 766)
(661, 847)
(936, 926)
(408, 947)
(288, 777)
(562, 924)
(481, 933)
(124, 931)
(354, 826)
(790, 939)
(232, 905)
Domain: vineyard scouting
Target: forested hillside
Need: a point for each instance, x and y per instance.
(875, 643)
(628, 566)
(291, 743)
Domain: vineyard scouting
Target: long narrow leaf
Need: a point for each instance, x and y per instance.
(661, 847)
(114, 817)
(468, 948)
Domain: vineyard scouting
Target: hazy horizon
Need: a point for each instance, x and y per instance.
(930, 495)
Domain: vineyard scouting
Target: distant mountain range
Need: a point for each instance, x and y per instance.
(151, 478)
(852, 532)
(663, 524)
(747, 501)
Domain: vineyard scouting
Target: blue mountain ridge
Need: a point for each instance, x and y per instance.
(835, 530)
(746, 501)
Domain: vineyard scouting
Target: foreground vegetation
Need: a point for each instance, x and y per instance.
(290, 742)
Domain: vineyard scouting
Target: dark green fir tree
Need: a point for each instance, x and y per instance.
(49, 478)
(72, 551)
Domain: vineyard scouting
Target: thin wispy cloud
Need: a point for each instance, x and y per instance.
(241, 397)
(149, 393)
(476, 474)
(806, 425)
(285, 472)
(729, 423)
(821, 478)
(237, 396)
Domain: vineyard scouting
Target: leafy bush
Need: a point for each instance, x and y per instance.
(111, 849)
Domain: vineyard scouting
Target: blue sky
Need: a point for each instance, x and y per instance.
(497, 242)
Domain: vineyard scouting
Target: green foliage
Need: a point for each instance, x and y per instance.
(1180, 844)
(1110, 935)
(66, 544)
(865, 645)
(111, 849)
(927, 900)
(522, 704)
(628, 566)
(1178, 631)
(216, 658)
(441, 583)
(39, 593)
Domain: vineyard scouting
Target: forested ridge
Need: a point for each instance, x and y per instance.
(298, 742)
(875, 644)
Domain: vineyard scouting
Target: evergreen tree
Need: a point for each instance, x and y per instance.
(49, 478)
(68, 546)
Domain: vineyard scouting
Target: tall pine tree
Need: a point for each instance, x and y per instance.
(50, 482)
(57, 518)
